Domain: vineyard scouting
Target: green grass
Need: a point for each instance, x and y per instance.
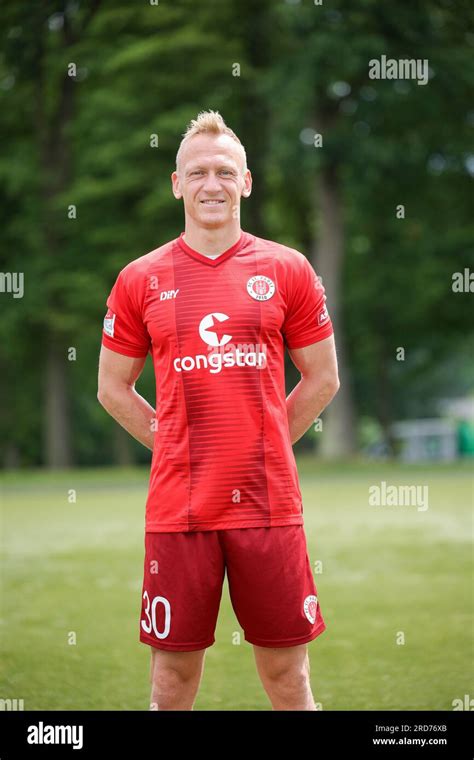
(78, 567)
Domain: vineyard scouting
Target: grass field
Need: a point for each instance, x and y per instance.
(77, 567)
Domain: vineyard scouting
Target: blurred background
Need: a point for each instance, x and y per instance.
(371, 178)
(95, 97)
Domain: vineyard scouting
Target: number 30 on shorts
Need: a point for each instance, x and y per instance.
(150, 623)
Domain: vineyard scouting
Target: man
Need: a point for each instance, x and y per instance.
(215, 308)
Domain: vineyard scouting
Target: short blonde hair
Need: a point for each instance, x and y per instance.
(209, 123)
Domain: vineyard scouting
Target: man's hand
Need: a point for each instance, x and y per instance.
(116, 392)
(318, 385)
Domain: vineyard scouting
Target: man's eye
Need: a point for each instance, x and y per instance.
(226, 171)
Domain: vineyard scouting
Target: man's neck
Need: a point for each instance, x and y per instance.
(212, 241)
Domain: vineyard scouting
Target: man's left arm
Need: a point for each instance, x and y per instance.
(319, 384)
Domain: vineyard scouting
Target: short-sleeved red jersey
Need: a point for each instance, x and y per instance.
(217, 330)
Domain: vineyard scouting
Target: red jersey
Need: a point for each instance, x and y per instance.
(216, 329)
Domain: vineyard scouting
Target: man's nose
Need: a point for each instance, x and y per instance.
(212, 184)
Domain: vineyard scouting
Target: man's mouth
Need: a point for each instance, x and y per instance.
(212, 202)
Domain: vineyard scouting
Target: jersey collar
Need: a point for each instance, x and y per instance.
(219, 259)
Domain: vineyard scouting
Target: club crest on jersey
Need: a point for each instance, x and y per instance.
(109, 321)
(260, 287)
(309, 606)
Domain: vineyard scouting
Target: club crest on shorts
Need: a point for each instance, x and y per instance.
(260, 287)
(309, 605)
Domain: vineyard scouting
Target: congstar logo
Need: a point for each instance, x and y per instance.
(210, 331)
(221, 353)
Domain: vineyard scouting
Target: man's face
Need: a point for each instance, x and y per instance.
(211, 180)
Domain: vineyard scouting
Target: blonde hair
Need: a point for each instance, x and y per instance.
(209, 123)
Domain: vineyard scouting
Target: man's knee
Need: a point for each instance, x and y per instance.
(171, 683)
(284, 669)
(175, 675)
(292, 679)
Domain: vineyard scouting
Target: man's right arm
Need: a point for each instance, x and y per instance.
(116, 393)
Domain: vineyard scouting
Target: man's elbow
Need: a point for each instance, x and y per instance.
(101, 397)
(329, 386)
(104, 396)
(111, 395)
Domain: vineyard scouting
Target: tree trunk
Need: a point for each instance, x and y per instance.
(55, 152)
(123, 454)
(338, 433)
(55, 162)
(57, 426)
(383, 395)
(255, 110)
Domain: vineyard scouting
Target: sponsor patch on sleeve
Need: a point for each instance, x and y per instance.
(109, 321)
(323, 316)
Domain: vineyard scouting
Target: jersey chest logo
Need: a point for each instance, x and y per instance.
(260, 287)
(210, 330)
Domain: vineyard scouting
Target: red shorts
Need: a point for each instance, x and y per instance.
(271, 587)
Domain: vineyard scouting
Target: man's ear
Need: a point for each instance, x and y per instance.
(247, 189)
(176, 186)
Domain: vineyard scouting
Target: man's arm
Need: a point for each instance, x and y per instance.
(116, 392)
(318, 385)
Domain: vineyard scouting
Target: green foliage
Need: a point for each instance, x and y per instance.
(146, 70)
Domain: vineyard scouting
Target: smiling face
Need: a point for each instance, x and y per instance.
(211, 180)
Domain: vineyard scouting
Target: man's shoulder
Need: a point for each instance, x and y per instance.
(144, 265)
(285, 254)
(280, 250)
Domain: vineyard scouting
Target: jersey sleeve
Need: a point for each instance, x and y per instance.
(124, 330)
(307, 319)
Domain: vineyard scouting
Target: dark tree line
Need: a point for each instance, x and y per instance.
(370, 178)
